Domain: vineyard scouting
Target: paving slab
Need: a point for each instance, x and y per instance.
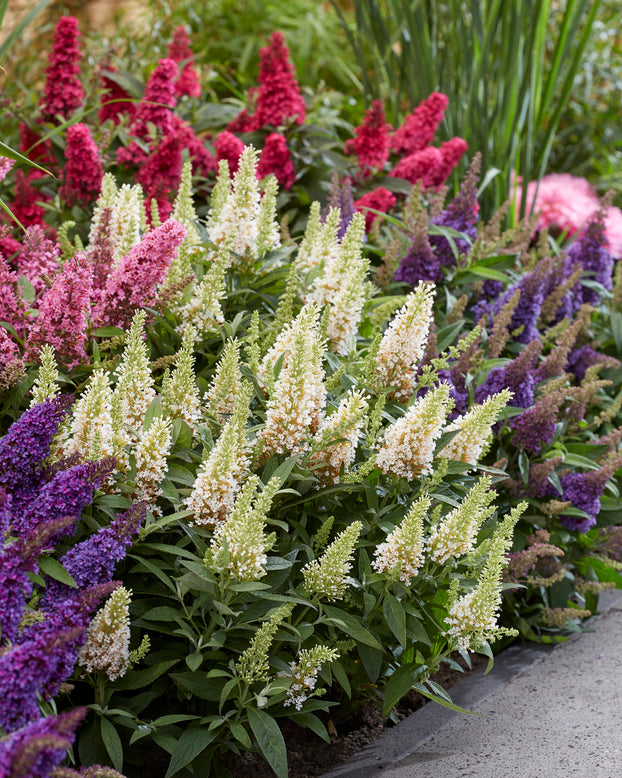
(544, 712)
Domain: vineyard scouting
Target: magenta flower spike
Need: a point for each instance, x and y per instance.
(278, 96)
(84, 171)
(63, 92)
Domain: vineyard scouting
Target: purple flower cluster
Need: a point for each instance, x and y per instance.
(590, 250)
(536, 426)
(533, 290)
(419, 263)
(584, 491)
(36, 749)
(340, 196)
(518, 376)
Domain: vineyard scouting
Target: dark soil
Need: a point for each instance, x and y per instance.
(308, 755)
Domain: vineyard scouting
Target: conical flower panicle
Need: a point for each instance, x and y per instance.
(129, 220)
(224, 470)
(475, 429)
(472, 618)
(306, 321)
(253, 665)
(203, 312)
(45, 386)
(337, 263)
(401, 554)
(334, 445)
(239, 545)
(151, 459)
(220, 195)
(91, 432)
(268, 235)
(63, 92)
(239, 217)
(455, 535)
(106, 199)
(403, 344)
(107, 645)
(135, 386)
(308, 248)
(407, 448)
(222, 395)
(304, 673)
(183, 207)
(327, 576)
(181, 400)
(296, 405)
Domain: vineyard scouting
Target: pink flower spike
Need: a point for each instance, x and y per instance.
(179, 50)
(451, 152)
(132, 284)
(5, 166)
(420, 126)
(278, 96)
(275, 159)
(83, 170)
(230, 148)
(161, 175)
(63, 92)
(39, 256)
(12, 308)
(380, 200)
(25, 205)
(63, 313)
(372, 140)
(419, 166)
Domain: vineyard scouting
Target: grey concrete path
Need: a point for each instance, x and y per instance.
(545, 714)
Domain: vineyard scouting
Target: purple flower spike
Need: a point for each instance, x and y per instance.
(36, 749)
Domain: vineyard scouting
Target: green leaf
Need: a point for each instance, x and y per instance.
(136, 679)
(197, 684)
(399, 684)
(310, 721)
(269, 739)
(112, 741)
(173, 718)
(394, 615)
(372, 661)
(194, 661)
(351, 626)
(189, 746)
(153, 568)
(445, 703)
(52, 567)
(342, 677)
(26, 288)
(240, 734)
(108, 332)
(616, 328)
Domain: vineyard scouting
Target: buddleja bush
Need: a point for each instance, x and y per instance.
(317, 518)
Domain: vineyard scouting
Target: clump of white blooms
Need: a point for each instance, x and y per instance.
(401, 554)
(268, 236)
(304, 673)
(475, 429)
(253, 665)
(106, 199)
(456, 533)
(334, 445)
(407, 448)
(203, 311)
(183, 207)
(321, 239)
(473, 617)
(135, 386)
(45, 386)
(239, 545)
(128, 220)
(403, 344)
(180, 393)
(91, 430)
(327, 576)
(107, 645)
(226, 384)
(306, 321)
(238, 219)
(296, 406)
(223, 471)
(347, 301)
(151, 453)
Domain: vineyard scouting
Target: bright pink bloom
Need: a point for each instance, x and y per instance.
(420, 126)
(419, 166)
(12, 308)
(83, 173)
(380, 200)
(39, 255)
(613, 230)
(154, 108)
(8, 245)
(230, 148)
(63, 93)
(31, 146)
(275, 159)
(179, 49)
(372, 140)
(63, 313)
(112, 110)
(101, 251)
(203, 161)
(5, 166)
(161, 174)
(25, 205)
(278, 97)
(132, 284)
(451, 151)
(243, 122)
(8, 349)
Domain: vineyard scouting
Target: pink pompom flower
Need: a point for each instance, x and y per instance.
(275, 159)
(372, 140)
(421, 166)
(278, 97)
